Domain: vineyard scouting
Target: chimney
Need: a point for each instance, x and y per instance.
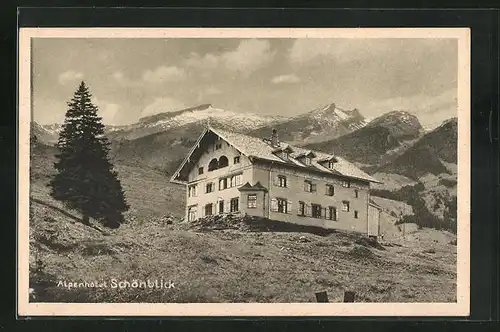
(274, 139)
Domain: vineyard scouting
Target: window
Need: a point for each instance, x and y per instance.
(232, 181)
(281, 181)
(345, 206)
(330, 191)
(252, 201)
(200, 170)
(236, 160)
(331, 164)
(316, 210)
(235, 202)
(210, 187)
(192, 191)
(282, 205)
(223, 162)
(356, 214)
(218, 146)
(346, 184)
(209, 209)
(221, 207)
(222, 183)
(356, 193)
(285, 155)
(309, 186)
(302, 209)
(192, 213)
(235, 180)
(307, 160)
(332, 213)
(213, 165)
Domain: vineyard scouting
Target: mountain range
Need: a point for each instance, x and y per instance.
(390, 143)
(393, 147)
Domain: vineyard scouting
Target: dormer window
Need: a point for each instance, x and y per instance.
(283, 153)
(331, 162)
(306, 157)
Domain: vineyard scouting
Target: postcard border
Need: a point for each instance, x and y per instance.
(460, 308)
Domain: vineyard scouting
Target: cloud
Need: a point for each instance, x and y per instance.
(285, 79)
(343, 50)
(69, 76)
(48, 110)
(207, 61)
(164, 74)
(249, 56)
(162, 105)
(160, 75)
(106, 110)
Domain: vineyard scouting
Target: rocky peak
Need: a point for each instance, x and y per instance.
(401, 124)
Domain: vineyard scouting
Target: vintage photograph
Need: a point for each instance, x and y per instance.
(232, 167)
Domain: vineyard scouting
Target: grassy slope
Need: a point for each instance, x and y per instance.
(230, 266)
(220, 266)
(148, 191)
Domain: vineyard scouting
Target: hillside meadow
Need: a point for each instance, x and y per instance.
(225, 264)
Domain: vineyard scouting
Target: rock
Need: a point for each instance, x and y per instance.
(304, 239)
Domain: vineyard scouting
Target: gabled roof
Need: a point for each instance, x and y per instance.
(257, 148)
(256, 187)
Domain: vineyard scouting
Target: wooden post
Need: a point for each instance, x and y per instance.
(322, 297)
(349, 296)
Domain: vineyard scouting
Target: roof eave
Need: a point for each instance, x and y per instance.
(195, 145)
(316, 169)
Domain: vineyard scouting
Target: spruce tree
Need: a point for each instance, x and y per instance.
(85, 179)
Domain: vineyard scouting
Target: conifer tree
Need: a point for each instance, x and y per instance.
(85, 179)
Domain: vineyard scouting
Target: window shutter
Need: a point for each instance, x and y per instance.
(274, 205)
(289, 207)
(305, 186)
(327, 190)
(336, 214)
(276, 180)
(323, 213)
(308, 210)
(313, 187)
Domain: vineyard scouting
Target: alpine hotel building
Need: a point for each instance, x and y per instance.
(227, 172)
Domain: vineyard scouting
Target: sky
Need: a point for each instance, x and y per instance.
(130, 77)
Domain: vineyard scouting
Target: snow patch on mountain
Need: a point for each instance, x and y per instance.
(210, 114)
